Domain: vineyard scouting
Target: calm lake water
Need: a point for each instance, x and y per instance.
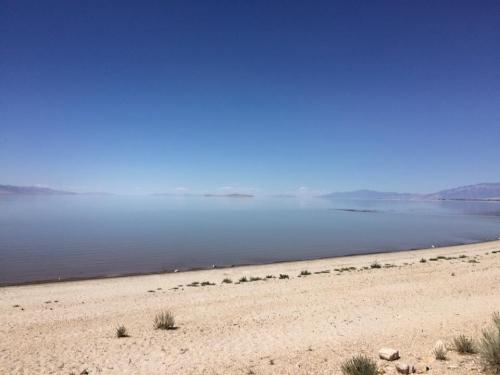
(51, 237)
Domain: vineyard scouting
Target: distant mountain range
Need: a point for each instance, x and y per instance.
(488, 191)
(31, 190)
(484, 191)
(369, 195)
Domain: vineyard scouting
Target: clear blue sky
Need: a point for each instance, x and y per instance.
(261, 96)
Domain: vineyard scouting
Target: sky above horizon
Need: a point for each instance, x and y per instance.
(249, 96)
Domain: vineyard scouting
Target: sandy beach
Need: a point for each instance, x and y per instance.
(300, 325)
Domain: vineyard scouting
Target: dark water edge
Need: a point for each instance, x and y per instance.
(194, 269)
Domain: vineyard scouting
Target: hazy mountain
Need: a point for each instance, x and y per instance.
(369, 195)
(483, 191)
(31, 190)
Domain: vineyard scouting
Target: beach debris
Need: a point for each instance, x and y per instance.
(176, 270)
(421, 368)
(388, 354)
(404, 368)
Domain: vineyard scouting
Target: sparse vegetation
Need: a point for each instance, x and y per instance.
(347, 269)
(464, 345)
(489, 347)
(473, 261)
(164, 320)
(375, 265)
(440, 352)
(305, 273)
(206, 283)
(270, 277)
(284, 276)
(423, 260)
(433, 259)
(359, 365)
(121, 331)
(227, 281)
(252, 278)
(194, 283)
(463, 256)
(243, 279)
(324, 271)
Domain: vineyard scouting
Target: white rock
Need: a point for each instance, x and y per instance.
(388, 354)
(404, 368)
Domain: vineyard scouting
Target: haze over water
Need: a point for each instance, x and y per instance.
(51, 237)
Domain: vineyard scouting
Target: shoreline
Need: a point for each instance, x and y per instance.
(326, 311)
(235, 266)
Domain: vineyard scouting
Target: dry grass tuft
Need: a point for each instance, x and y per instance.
(164, 320)
(464, 345)
(489, 347)
(359, 365)
(121, 331)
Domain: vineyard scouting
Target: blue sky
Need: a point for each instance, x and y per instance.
(253, 96)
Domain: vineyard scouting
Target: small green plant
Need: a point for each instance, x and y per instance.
(227, 281)
(243, 279)
(464, 345)
(359, 365)
(375, 265)
(305, 273)
(489, 347)
(284, 276)
(164, 320)
(121, 331)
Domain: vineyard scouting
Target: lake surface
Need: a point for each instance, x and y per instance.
(51, 237)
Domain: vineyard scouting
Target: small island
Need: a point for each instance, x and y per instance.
(233, 195)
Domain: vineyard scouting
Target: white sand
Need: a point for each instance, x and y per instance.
(298, 326)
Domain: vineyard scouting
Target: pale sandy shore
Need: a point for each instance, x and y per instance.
(304, 325)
